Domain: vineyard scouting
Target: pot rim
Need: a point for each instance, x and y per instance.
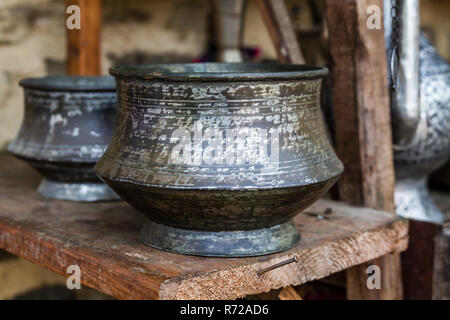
(240, 71)
(70, 83)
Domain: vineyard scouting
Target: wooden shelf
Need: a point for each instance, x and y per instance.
(102, 239)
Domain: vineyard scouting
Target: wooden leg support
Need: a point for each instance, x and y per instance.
(363, 129)
(83, 45)
(426, 264)
(278, 22)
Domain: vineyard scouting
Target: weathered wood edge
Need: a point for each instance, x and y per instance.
(314, 263)
(103, 279)
(441, 264)
(83, 47)
(363, 128)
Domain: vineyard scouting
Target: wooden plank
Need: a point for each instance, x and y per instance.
(363, 129)
(441, 262)
(418, 260)
(441, 265)
(426, 263)
(361, 105)
(289, 293)
(278, 23)
(83, 45)
(102, 238)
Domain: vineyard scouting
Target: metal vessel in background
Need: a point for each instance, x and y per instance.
(229, 20)
(67, 124)
(420, 103)
(219, 156)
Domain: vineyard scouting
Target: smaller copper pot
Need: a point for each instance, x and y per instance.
(67, 125)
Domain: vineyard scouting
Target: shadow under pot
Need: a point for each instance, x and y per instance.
(67, 125)
(219, 157)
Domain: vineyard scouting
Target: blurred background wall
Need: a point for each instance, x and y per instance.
(32, 41)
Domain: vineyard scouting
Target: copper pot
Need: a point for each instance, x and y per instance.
(67, 125)
(219, 156)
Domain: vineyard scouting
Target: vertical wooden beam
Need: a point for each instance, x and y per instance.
(83, 45)
(418, 260)
(363, 128)
(441, 264)
(289, 293)
(426, 264)
(278, 22)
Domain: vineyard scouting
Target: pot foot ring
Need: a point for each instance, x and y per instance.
(82, 192)
(220, 243)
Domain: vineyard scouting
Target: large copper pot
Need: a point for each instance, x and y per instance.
(219, 156)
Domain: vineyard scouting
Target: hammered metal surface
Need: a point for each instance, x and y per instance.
(220, 243)
(240, 189)
(414, 165)
(67, 125)
(84, 192)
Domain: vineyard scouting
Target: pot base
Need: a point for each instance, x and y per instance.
(81, 192)
(220, 243)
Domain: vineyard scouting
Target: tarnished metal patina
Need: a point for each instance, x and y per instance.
(414, 165)
(67, 125)
(219, 156)
(420, 104)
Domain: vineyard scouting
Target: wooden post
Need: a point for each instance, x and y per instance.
(289, 293)
(426, 264)
(441, 264)
(279, 25)
(83, 45)
(363, 129)
(276, 18)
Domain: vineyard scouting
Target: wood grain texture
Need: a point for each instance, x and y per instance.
(363, 129)
(441, 260)
(426, 263)
(289, 293)
(418, 260)
(441, 267)
(83, 45)
(281, 31)
(102, 238)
